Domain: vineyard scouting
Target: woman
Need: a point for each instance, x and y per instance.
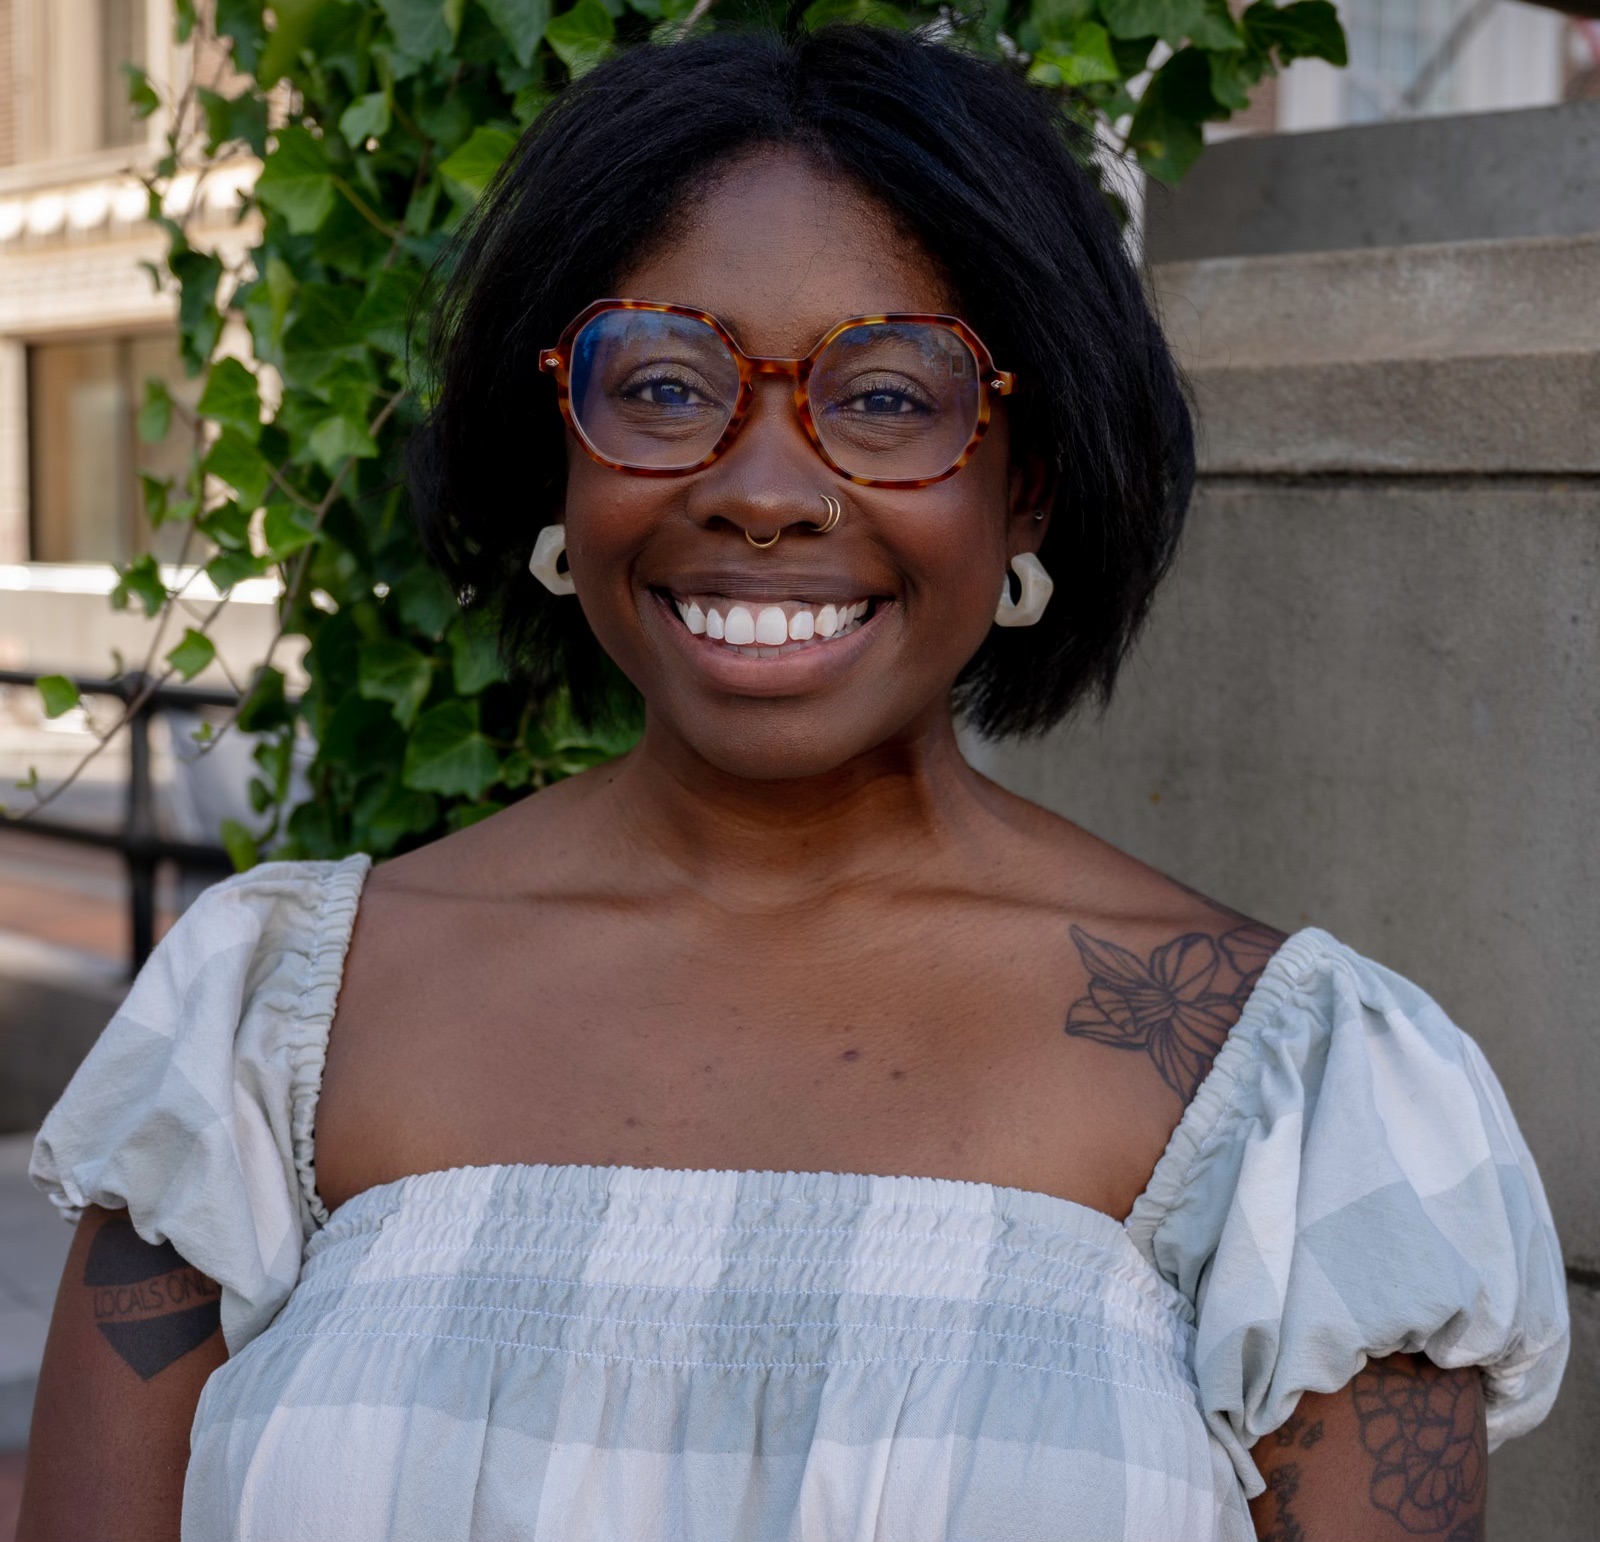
(784, 1132)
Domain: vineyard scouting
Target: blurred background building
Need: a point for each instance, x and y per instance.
(1346, 305)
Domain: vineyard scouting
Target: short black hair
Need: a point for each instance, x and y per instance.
(984, 170)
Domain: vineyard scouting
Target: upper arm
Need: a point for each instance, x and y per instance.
(1400, 1452)
(135, 1333)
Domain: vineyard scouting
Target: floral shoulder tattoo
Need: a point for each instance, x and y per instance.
(1178, 1005)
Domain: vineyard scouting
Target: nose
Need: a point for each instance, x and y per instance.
(770, 478)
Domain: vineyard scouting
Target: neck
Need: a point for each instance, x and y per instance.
(780, 839)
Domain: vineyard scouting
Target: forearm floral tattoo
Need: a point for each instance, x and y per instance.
(1179, 1006)
(1283, 1481)
(1421, 1427)
(150, 1306)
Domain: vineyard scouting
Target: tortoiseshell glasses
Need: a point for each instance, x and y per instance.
(886, 401)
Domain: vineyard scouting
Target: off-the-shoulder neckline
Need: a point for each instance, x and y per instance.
(1294, 958)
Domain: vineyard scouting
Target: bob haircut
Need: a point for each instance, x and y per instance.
(976, 166)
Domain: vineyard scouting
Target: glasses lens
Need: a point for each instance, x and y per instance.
(651, 390)
(897, 400)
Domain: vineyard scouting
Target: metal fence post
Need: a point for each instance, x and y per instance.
(139, 829)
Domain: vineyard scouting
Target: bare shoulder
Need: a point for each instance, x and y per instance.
(1165, 970)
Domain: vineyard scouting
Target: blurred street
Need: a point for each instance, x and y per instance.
(33, 1247)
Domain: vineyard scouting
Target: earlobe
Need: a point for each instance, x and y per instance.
(1037, 587)
(547, 553)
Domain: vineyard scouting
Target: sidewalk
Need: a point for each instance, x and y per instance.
(33, 1247)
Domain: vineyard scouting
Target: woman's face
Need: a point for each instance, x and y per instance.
(779, 252)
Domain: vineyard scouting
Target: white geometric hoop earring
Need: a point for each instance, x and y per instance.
(1037, 587)
(547, 552)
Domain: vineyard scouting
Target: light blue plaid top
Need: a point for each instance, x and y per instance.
(585, 1354)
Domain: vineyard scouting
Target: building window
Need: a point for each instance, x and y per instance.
(1391, 44)
(121, 42)
(85, 499)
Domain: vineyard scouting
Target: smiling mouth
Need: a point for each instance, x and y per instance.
(769, 628)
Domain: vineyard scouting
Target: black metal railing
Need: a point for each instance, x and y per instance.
(139, 840)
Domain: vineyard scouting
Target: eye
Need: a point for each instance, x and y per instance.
(882, 401)
(886, 396)
(665, 387)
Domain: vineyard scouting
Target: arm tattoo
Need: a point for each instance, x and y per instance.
(151, 1307)
(1421, 1427)
(1174, 1007)
(1283, 1482)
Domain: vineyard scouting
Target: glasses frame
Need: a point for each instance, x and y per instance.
(558, 361)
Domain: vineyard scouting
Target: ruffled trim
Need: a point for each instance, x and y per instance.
(1209, 1116)
(307, 1040)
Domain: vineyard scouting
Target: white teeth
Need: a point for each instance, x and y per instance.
(764, 630)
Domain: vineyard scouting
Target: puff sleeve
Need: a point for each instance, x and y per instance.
(194, 1109)
(1349, 1183)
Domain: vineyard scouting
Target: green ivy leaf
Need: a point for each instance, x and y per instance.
(296, 181)
(228, 525)
(184, 17)
(1308, 29)
(521, 23)
(384, 315)
(239, 21)
(1169, 20)
(234, 459)
(266, 705)
(471, 168)
(1059, 18)
(474, 658)
(286, 528)
(1085, 58)
(337, 439)
(141, 94)
(581, 37)
(393, 672)
(228, 568)
(194, 651)
(154, 492)
(231, 397)
(423, 28)
(140, 580)
(244, 851)
(424, 601)
(199, 320)
(367, 117)
(231, 120)
(155, 416)
(292, 23)
(58, 694)
(1217, 31)
(447, 754)
(1166, 128)
(323, 332)
(1234, 76)
(399, 812)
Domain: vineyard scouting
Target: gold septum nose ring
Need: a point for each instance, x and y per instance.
(822, 527)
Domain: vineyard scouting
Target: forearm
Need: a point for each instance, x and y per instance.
(135, 1334)
(1398, 1454)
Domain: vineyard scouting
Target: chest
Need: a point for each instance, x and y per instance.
(929, 1040)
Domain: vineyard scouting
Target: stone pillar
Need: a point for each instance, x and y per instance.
(1370, 697)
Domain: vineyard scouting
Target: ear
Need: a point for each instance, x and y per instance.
(1034, 483)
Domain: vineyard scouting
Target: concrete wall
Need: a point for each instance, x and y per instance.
(1370, 698)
